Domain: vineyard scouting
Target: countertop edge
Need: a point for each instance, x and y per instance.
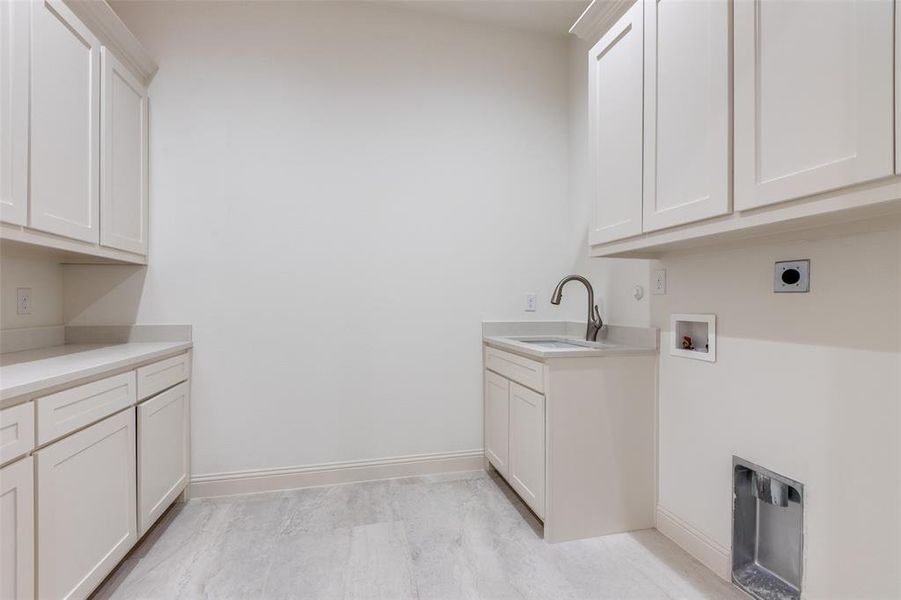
(26, 392)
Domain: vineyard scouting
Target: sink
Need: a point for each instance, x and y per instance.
(562, 344)
(552, 344)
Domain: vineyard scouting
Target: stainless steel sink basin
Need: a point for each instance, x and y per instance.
(561, 344)
(554, 344)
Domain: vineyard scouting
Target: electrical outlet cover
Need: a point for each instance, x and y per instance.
(23, 301)
(531, 302)
(658, 282)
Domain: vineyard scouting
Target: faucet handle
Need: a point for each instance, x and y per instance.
(597, 317)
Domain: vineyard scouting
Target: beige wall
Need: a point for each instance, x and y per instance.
(340, 194)
(807, 385)
(44, 277)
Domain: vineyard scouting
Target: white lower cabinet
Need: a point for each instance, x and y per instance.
(497, 421)
(514, 429)
(17, 530)
(527, 446)
(86, 517)
(162, 453)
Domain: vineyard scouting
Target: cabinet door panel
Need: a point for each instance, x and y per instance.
(86, 506)
(615, 129)
(497, 420)
(17, 529)
(65, 126)
(527, 443)
(123, 159)
(162, 453)
(687, 112)
(14, 34)
(813, 97)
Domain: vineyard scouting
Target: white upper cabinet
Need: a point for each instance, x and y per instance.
(615, 129)
(123, 154)
(14, 31)
(686, 112)
(65, 123)
(813, 97)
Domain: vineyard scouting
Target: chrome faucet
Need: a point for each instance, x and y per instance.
(594, 315)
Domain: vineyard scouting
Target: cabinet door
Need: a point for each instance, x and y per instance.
(17, 530)
(162, 453)
(14, 32)
(687, 115)
(813, 97)
(65, 123)
(86, 506)
(527, 446)
(497, 421)
(123, 158)
(615, 129)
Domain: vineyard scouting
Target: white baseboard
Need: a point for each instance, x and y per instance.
(711, 554)
(288, 478)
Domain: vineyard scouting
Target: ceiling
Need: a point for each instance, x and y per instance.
(542, 16)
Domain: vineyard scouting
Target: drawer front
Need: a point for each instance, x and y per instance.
(163, 374)
(66, 411)
(528, 372)
(16, 432)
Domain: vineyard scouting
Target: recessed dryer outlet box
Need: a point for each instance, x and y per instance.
(792, 276)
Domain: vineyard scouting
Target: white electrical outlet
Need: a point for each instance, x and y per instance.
(658, 282)
(23, 301)
(531, 302)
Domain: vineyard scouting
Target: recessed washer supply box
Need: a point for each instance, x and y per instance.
(694, 336)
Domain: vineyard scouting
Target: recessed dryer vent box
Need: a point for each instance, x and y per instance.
(767, 532)
(694, 336)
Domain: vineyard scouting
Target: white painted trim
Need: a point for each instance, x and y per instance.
(708, 552)
(106, 24)
(873, 200)
(598, 18)
(287, 478)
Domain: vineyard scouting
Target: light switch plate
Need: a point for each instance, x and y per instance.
(791, 276)
(658, 282)
(23, 301)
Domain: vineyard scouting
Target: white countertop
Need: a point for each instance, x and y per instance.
(26, 374)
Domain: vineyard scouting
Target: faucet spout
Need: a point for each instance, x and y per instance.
(594, 315)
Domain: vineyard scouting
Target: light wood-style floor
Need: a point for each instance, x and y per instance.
(461, 535)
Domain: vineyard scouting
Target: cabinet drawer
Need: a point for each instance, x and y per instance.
(66, 411)
(16, 431)
(528, 372)
(163, 374)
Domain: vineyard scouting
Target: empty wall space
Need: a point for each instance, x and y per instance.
(806, 385)
(341, 193)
